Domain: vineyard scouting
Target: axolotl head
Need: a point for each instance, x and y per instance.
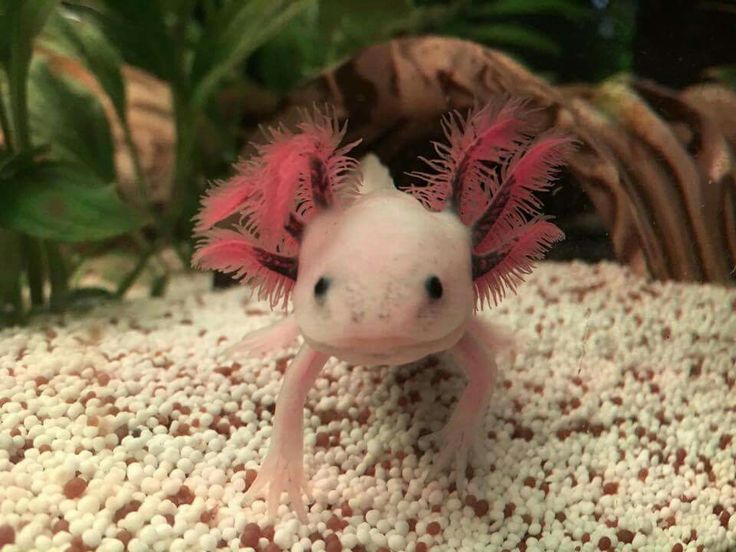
(384, 281)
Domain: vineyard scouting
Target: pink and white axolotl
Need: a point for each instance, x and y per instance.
(380, 276)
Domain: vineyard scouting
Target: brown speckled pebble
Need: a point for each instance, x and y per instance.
(7, 535)
(481, 507)
(610, 488)
(333, 544)
(268, 532)
(75, 488)
(625, 536)
(251, 534)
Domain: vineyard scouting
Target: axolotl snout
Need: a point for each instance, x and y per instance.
(379, 275)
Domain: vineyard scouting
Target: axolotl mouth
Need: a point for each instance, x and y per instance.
(389, 350)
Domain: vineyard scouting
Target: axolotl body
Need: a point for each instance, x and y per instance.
(380, 276)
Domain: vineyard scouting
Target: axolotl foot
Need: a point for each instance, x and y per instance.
(278, 474)
(458, 444)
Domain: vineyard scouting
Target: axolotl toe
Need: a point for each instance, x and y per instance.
(379, 275)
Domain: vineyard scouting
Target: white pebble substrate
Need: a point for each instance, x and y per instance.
(611, 430)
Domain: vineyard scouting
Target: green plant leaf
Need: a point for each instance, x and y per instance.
(14, 163)
(326, 32)
(234, 32)
(515, 36)
(138, 30)
(71, 121)
(55, 201)
(568, 9)
(20, 22)
(81, 38)
(293, 54)
(357, 23)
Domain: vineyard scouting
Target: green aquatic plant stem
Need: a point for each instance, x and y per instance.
(16, 70)
(165, 230)
(184, 164)
(143, 244)
(18, 93)
(184, 117)
(11, 297)
(133, 275)
(161, 226)
(16, 129)
(58, 277)
(140, 177)
(33, 255)
(4, 120)
(209, 8)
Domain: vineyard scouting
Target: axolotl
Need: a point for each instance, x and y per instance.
(379, 275)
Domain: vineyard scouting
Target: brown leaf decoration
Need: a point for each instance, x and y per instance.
(657, 165)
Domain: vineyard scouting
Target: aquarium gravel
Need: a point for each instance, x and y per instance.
(612, 428)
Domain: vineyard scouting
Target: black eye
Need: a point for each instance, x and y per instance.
(320, 288)
(433, 287)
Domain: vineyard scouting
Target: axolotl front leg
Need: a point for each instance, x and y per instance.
(283, 468)
(463, 432)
